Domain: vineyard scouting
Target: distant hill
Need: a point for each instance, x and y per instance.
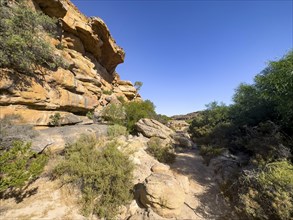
(185, 117)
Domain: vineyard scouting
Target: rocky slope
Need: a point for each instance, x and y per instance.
(184, 190)
(90, 82)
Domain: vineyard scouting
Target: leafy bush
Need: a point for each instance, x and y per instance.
(259, 124)
(136, 110)
(267, 193)
(164, 119)
(209, 152)
(207, 120)
(107, 92)
(22, 39)
(275, 84)
(128, 113)
(90, 115)
(103, 175)
(19, 165)
(265, 142)
(114, 113)
(138, 85)
(164, 154)
(55, 119)
(117, 130)
(121, 99)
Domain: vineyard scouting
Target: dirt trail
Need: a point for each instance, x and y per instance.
(204, 198)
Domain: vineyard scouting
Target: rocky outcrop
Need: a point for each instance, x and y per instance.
(90, 34)
(152, 128)
(39, 118)
(163, 193)
(226, 166)
(126, 87)
(55, 139)
(186, 117)
(178, 125)
(91, 54)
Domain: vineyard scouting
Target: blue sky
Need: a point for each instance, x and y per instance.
(190, 53)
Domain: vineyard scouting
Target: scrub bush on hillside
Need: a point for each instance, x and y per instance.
(19, 165)
(259, 125)
(103, 174)
(23, 34)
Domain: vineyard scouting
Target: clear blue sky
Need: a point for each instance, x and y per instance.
(189, 53)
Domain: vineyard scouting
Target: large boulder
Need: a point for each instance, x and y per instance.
(182, 140)
(226, 166)
(152, 128)
(163, 193)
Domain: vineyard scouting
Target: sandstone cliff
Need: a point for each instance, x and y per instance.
(91, 81)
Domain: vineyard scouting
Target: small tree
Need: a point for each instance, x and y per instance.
(137, 110)
(55, 119)
(138, 85)
(114, 113)
(19, 165)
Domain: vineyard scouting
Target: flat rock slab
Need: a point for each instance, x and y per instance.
(55, 139)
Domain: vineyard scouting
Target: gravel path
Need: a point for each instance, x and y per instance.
(204, 199)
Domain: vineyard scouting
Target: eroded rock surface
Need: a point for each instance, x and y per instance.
(55, 139)
(152, 128)
(163, 193)
(92, 55)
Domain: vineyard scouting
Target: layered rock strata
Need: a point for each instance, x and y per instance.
(92, 55)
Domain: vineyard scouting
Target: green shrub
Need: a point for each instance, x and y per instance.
(164, 119)
(19, 165)
(90, 115)
(114, 113)
(136, 110)
(206, 121)
(209, 152)
(104, 175)
(121, 99)
(107, 92)
(128, 113)
(55, 119)
(267, 193)
(22, 39)
(164, 154)
(138, 85)
(117, 130)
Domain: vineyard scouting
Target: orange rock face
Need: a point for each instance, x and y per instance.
(92, 54)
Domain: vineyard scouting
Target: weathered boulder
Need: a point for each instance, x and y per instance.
(178, 125)
(128, 91)
(182, 140)
(226, 166)
(160, 168)
(152, 128)
(163, 193)
(55, 139)
(183, 181)
(38, 118)
(124, 83)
